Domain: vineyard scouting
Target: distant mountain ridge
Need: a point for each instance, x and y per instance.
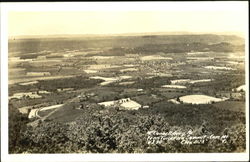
(166, 42)
(124, 34)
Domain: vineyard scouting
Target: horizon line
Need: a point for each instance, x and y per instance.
(236, 33)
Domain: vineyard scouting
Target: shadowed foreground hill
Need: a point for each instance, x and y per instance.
(98, 130)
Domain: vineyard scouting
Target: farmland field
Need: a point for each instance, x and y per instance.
(238, 106)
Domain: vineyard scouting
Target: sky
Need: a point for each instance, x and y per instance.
(116, 22)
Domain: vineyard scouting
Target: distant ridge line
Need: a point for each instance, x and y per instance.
(122, 34)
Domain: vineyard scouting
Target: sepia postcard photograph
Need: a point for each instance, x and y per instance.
(124, 81)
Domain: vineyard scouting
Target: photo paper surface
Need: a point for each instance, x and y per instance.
(94, 81)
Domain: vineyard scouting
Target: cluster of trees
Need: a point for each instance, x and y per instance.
(74, 82)
(115, 51)
(227, 82)
(154, 82)
(17, 125)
